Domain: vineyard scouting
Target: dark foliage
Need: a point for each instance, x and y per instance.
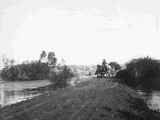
(125, 77)
(29, 71)
(144, 72)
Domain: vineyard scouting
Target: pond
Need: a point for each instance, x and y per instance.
(153, 100)
(13, 92)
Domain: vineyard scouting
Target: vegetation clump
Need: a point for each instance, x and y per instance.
(45, 68)
(26, 71)
(61, 76)
(141, 72)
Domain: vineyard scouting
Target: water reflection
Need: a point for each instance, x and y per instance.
(152, 100)
(11, 97)
(12, 92)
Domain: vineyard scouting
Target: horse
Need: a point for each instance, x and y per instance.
(101, 71)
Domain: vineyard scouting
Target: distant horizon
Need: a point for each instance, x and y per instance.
(85, 64)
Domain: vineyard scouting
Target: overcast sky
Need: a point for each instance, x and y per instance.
(80, 31)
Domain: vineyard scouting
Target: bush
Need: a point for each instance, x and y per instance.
(144, 72)
(29, 71)
(115, 65)
(123, 76)
(61, 76)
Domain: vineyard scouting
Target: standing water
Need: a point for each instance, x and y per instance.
(13, 92)
(153, 100)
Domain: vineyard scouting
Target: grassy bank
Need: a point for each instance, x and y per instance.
(90, 100)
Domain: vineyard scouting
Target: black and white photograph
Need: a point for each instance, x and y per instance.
(79, 60)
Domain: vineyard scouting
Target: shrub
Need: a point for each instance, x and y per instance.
(61, 77)
(115, 65)
(144, 72)
(123, 76)
(29, 71)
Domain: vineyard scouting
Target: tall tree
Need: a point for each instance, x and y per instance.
(42, 55)
(52, 60)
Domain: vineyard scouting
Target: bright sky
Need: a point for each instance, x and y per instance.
(80, 31)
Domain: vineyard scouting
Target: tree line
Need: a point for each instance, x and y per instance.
(45, 68)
